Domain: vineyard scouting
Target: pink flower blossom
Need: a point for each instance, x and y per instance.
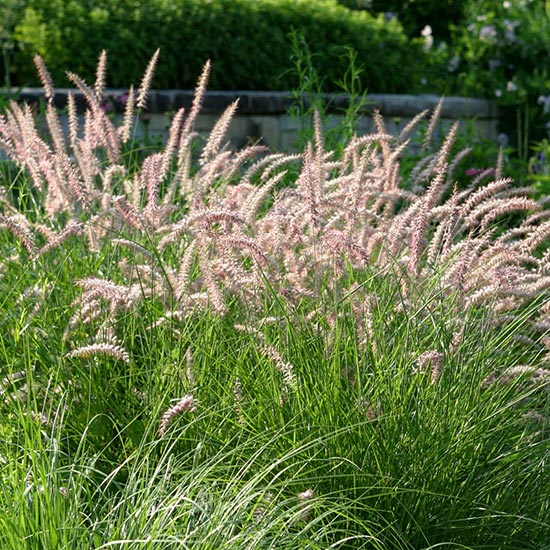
(123, 98)
(477, 171)
(473, 171)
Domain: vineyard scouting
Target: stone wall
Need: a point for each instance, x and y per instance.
(263, 116)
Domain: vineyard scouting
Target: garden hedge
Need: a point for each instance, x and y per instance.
(247, 41)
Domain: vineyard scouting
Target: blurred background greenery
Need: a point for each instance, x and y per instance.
(495, 49)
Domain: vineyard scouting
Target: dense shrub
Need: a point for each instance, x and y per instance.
(414, 15)
(247, 41)
(500, 51)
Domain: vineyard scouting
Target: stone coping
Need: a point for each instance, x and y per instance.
(277, 103)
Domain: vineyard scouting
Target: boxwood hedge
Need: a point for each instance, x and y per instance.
(247, 41)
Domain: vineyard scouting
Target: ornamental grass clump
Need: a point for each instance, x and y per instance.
(211, 231)
(206, 231)
(369, 351)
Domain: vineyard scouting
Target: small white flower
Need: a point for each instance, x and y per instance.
(428, 38)
(453, 64)
(488, 33)
(498, 93)
(544, 100)
(511, 86)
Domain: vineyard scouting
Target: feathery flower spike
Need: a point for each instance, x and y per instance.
(45, 78)
(146, 81)
(186, 403)
(117, 352)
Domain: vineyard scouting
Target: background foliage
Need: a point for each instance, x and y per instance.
(247, 39)
(415, 14)
(501, 51)
(496, 49)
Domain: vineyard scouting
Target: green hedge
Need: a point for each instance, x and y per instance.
(247, 41)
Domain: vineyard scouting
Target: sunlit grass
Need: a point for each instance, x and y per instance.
(334, 364)
(392, 459)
